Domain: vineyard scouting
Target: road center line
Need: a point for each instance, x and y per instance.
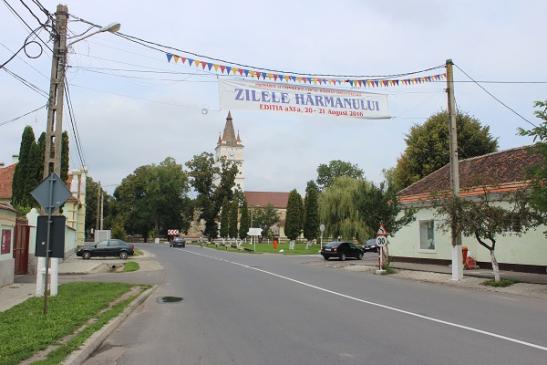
(394, 309)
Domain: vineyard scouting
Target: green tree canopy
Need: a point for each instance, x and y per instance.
(428, 150)
(339, 209)
(265, 218)
(294, 217)
(538, 174)
(24, 178)
(153, 198)
(327, 173)
(213, 182)
(234, 211)
(311, 212)
(225, 219)
(245, 220)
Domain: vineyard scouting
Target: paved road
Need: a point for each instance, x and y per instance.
(266, 309)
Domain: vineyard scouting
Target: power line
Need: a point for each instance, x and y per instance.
(75, 132)
(161, 48)
(27, 83)
(494, 97)
(27, 25)
(28, 64)
(22, 116)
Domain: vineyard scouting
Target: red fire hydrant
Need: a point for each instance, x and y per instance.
(464, 253)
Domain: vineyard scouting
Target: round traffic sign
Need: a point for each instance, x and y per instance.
(381, 241)
(322, 227)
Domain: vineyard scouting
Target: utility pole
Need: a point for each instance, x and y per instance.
(54, 130)
(457, 269)
(98, 214)
(102, 208)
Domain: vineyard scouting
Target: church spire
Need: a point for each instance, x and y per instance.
(229, 137)
(238, 139)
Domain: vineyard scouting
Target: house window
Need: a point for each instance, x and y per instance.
(427, 235)
(5, 241)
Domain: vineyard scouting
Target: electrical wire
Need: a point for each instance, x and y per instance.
(161, 48)
(28, 64)
(22, 116)
(25, 82)
(141, 71)
(75, 132)
(494, 97)
(27, 25)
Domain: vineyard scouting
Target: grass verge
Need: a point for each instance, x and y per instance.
(499, 284)
(24, 330)
(130, 266)
(138, 252)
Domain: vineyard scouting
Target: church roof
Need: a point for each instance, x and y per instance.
(260, 199)
(229, 135)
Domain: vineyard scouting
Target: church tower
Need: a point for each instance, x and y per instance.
(229, 146)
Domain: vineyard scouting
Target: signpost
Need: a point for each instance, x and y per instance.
(254, 232)
(50, 194)
(322, 229)
(381, 241)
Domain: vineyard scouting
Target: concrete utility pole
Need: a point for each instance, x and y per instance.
(102, 209)
(457, 265)
(98, 215)
(53, 146)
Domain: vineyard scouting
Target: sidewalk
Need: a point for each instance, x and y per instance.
(22, 289)
(486, 274)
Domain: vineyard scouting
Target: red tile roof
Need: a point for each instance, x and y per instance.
(503, 171)
(6, 179)
(257, 199)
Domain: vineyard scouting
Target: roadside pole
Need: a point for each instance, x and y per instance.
(457, 269)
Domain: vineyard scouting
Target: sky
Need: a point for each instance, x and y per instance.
(126, 122)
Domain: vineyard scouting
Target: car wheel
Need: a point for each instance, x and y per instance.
(86, 255)
(360, 256)
(123, 255)
(343, 257)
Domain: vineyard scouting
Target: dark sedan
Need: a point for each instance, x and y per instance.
(370, 246)
(112, 247)
(178, 242)
(342, 250)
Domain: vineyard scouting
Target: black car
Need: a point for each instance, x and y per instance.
(342, 250)
(112, 247)
(177, 242)
(371, 246)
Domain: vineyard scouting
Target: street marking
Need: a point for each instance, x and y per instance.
(383, 306)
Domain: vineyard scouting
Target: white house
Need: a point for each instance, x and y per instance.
(499, 172)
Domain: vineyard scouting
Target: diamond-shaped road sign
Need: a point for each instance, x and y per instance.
(51, 193)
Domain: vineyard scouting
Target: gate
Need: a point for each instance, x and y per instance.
(20, 248)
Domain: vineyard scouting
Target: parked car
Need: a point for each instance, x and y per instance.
(177, 242)
(112, 247)
(371, 246)
(342, 250)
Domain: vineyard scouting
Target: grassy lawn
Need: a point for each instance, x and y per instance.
(24, 330)
(130, 266)
(137, 252)
(299, 248)
(500, 284)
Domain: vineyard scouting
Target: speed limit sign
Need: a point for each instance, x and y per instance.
(381, 241)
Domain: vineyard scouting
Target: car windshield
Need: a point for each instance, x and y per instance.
(333, 244)
(370, 242)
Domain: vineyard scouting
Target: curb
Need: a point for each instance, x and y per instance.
(96, 340)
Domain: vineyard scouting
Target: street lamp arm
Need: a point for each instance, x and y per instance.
(112, 28)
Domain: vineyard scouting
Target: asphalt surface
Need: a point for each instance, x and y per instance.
(268, 309)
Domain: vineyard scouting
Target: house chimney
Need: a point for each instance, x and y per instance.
(15, 158)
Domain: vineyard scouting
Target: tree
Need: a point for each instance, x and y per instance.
(339, 210)
(24, 176)
(427, 146)
(111, 215)
(233, 218)
(265, 218)
(225, 219)
(311, 212)
(485, 219)
(64, 157)
(204, 173)
(244, 221)
(152, 198)
(538, 175)
(326, 174)
(293, 220)
(380, 205)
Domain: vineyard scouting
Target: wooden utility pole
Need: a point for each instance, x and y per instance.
(54, 130)
(457, 270)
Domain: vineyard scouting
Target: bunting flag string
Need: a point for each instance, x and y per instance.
(261, 75)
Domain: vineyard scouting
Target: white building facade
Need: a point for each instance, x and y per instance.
(229, 146)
